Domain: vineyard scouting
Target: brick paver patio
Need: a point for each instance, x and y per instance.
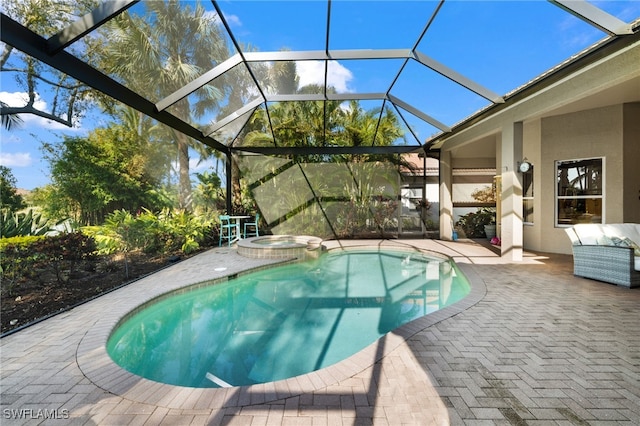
(531, 345)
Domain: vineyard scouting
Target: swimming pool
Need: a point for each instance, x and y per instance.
(282, 322)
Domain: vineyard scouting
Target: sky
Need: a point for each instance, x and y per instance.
(499, 45)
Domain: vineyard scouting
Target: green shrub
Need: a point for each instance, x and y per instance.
(183, 231)
(19, 242)
(22, 257)
(472, 224)
(162, 233)
(17, 260)
(63, 252)
(107, 241)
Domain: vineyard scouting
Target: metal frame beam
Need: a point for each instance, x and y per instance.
(435, 123)
(329, 150)
(204, 79)
(321, 55)
(88, 23)
(355, 96)
(570, 66)
(25, 40)
(456, 77)
(595, 16)
(233, 116)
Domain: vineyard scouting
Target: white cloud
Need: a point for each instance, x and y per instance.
(20, 99)
(312, 72)
(233, 20)
(18, 159)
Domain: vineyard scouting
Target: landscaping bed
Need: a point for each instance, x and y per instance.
(41, 294)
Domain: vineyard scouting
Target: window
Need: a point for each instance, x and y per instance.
(527, 196)
(579, 192)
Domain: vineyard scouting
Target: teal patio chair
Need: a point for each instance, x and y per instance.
(229, 230)
(253, 227)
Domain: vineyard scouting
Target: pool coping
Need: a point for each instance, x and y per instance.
(98, 367)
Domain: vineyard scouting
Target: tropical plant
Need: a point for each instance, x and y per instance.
(122, 232)
(160, 52)
(209, 195)
(165, 232)
(184, 231)
(473, 223)
(13, 224)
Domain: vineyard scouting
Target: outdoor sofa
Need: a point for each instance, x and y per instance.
(607, 252)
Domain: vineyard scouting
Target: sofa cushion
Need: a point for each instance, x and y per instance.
(571, 233)
(622, 230)
(588, 233)
(605, 240)
(626, 242)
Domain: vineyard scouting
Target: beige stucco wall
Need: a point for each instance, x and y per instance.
(584, 134)
(532, 234)
(631, 138)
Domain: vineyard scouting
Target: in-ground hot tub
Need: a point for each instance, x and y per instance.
(280, 246)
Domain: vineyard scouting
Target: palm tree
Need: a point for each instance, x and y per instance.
(370, 127)
(10, 121)
(159, 53)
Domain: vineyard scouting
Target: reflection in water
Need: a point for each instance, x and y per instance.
(285, 321)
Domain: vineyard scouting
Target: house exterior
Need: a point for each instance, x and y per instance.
(581, 134)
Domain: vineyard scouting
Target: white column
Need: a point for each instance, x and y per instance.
(446, 200)
(511, 203)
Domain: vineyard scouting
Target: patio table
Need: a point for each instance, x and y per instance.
(238, 219)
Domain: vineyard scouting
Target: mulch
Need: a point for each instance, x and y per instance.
(43, 295)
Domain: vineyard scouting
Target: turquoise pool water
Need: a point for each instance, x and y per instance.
(284, 321)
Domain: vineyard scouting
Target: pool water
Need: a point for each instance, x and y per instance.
(273, 242)
(284, 321)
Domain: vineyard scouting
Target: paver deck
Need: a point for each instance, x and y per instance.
(531, 345)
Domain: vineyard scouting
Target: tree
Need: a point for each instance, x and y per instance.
(209, 194)
(159, 53)
(283, 77)
(69, 97)
(9, 197)
(152, 143)
(372, 127)
(107, 171)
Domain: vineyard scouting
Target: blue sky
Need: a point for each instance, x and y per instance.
(498, 44)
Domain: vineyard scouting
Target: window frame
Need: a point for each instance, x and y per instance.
(558, 197)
